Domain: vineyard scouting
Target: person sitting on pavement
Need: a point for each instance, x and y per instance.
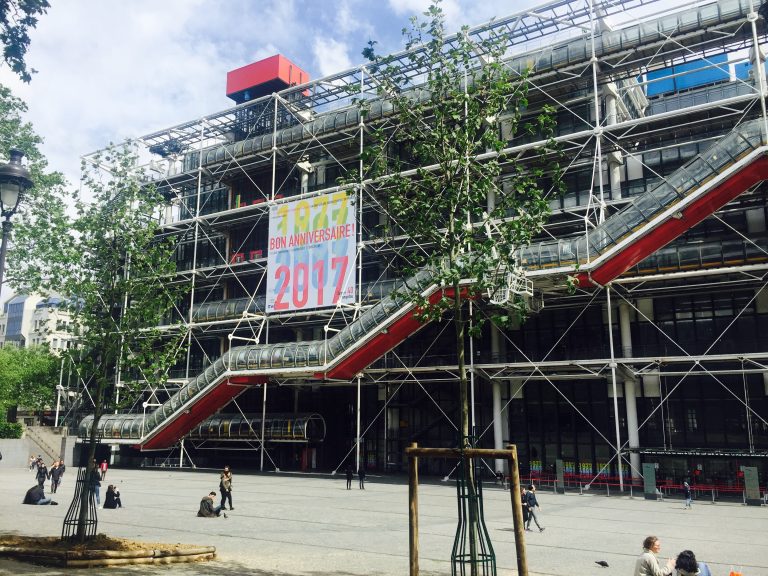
(648, 564)
(36, 496)
(207, 509)
(686, 565)
(112, 498)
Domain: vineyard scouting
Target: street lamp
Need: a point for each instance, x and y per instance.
(14, 181)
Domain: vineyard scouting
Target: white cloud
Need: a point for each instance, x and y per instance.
(110, 70)
(330, 55)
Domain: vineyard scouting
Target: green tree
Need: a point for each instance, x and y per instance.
(15, 132)
(40, 200)
(16, 18)
(28, 378)
(104, 253)
(438, 168)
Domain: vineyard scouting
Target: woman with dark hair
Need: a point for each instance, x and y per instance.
(225, 487)
(648, 564)
(112, 499)
(686, 565)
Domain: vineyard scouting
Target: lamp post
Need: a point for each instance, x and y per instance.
(14, 181)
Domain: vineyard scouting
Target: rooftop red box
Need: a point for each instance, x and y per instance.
(263, 77)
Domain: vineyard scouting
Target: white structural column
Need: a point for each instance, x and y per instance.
(615, 392)
(357, 426)
(263, 427)
(630, 391)
(613, 159)
(498, 431)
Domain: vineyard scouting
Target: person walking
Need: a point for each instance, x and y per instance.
(225, 487)
(94, 482)
(648, 563)
(361, 477)
(524, 505)
(42, 473)
(55, 475)
(103, 469)
(687, 495)
(350, 475)
(62, 469)
(533, 504)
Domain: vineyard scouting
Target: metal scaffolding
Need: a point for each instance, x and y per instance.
(640, 160)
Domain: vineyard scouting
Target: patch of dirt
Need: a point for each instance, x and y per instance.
(100, 542)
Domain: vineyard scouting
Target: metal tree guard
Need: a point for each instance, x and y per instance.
(72, 519)
(472, 552)
(414, 452)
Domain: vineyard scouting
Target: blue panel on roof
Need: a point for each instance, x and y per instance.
(693, 76)
(742, 70)
(658, 83)
(688, 75)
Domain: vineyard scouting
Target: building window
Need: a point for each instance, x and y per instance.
(690, 418)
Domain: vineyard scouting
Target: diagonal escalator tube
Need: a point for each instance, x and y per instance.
(263, 359)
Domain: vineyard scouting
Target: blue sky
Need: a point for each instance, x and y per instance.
(114, 69)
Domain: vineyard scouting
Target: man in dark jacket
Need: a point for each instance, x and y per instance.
(207, 509)
(55, 475)
(35, 495)
(533, 504)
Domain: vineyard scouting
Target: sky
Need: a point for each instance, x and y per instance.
(108, 70)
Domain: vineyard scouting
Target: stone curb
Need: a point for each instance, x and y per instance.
(94, 558)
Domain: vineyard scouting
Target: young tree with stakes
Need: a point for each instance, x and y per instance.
(437, 165)
(105, 255)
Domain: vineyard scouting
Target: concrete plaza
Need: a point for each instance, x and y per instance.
(310, 525)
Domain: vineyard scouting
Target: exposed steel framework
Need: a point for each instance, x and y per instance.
(222, 173)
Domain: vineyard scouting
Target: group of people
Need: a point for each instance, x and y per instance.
(36, 494)
(43, 473)
(685, 564)
(360, 475)
(208, 508)
(530, 506)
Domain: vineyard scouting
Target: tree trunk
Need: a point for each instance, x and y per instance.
(469, 468)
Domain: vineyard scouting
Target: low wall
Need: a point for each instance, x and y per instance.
(16, 453)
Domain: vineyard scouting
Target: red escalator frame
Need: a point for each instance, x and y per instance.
(377, 346)
(212, 402)
(228, 389)
(670, 229)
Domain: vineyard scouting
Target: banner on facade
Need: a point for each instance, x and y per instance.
(311, 258)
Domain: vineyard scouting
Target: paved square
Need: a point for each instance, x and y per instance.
(310, 525)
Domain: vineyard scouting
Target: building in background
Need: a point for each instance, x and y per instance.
(31, 320)
(660, 354)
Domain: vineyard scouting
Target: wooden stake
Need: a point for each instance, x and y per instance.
(413, 511)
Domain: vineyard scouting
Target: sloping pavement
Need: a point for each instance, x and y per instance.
(310, 525)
